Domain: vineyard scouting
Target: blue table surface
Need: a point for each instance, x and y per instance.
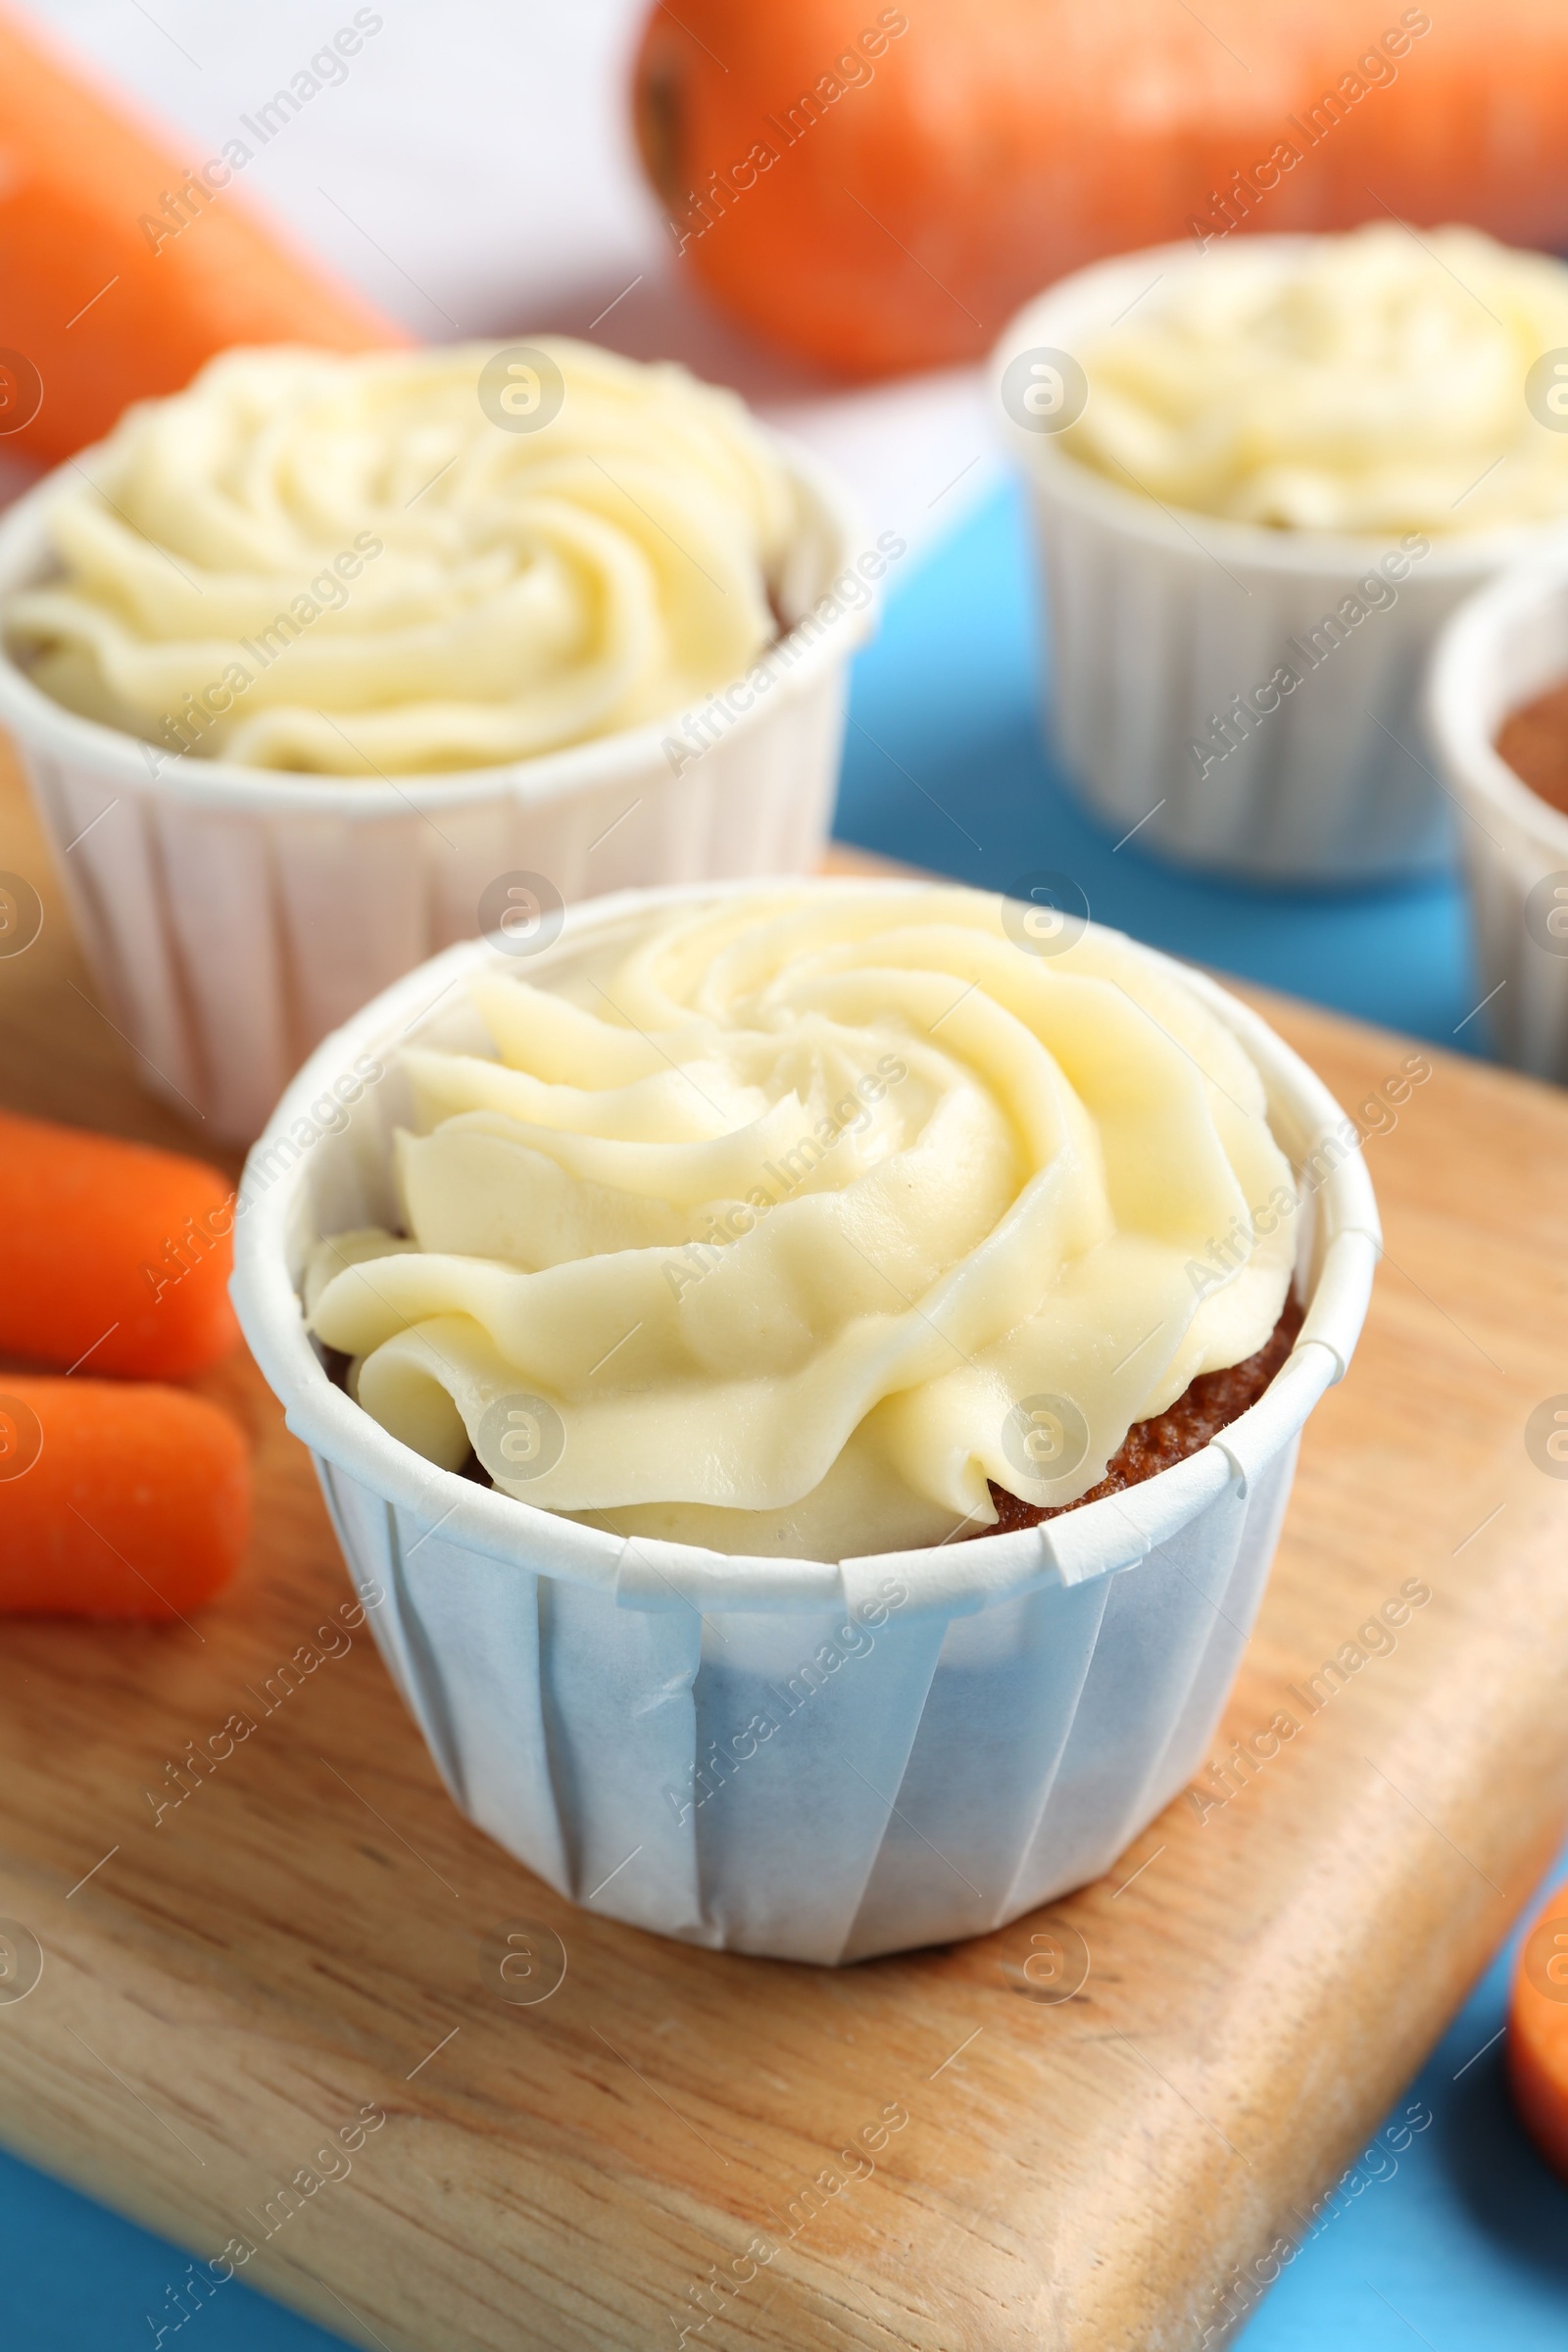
(1464, 2244)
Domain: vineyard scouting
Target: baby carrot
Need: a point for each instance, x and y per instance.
(117, 1501)
(111, 1253)
(1537, 2033)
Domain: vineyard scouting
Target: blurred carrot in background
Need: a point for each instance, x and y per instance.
(880, 188)
(126, 263)
(117, 1501)
(112, 1253)
(1537, 2033)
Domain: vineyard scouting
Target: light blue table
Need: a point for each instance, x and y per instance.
(1465, 2247)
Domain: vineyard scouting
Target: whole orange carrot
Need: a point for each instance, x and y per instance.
(112, 1255)
(127, 261)
(879, 188)
(117, 1499)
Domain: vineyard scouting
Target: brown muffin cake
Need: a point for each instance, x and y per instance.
(941, 1156)
(1212, 1401)
(1534, 740)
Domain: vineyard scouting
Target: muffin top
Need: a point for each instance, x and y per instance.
(409, 561)
(1377, 382)
(783, 1223)
(1534, 740)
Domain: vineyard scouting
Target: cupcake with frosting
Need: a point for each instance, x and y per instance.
(1497, 703)
(823, 1223)
(808, 1379)
(1263, 472)
(343, 567)
(307, 658)
(1366, 385)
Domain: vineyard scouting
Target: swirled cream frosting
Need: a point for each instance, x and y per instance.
(349, 565)
(785, 1222)
(1368, 383)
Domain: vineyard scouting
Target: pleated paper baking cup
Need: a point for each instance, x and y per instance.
(815, 1760)
(235, 915)
(1166, 634)
(1501, 649)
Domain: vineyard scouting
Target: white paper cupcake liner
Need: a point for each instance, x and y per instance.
(1501, 649)
(957, 1735)
(1156, 622)
(233, 916)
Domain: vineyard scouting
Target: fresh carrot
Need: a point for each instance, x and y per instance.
(880, 188)
(112, 1255)
(1537, 2033)
(128, 259)
(117, 1499)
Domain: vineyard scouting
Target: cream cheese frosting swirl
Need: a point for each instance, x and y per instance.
(1367, 383)
(784, 1222)
(346, 565)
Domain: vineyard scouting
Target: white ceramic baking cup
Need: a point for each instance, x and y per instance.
(1502, 648)
(988, 1743)
(235, 915)
(1155, 620)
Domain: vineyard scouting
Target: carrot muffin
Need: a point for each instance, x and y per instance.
(1371, 383)
(1534, 740)
(406, 562)
(822, 1221)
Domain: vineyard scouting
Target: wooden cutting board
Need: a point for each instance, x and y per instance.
(314, 1938)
